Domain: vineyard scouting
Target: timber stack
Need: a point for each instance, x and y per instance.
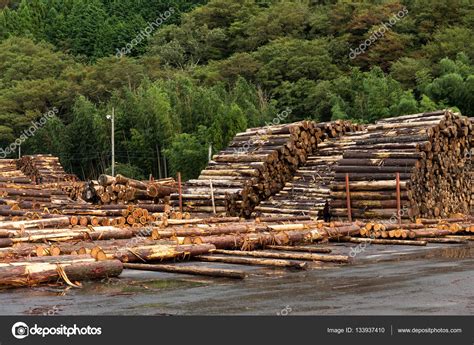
(255, 165)
(309, 189)
(43, 168)
(31, 196)
(114, 215)
(17, 188)
(429, 151)
(123, 190)
(9, 173)
(422, 228)
(50, 250)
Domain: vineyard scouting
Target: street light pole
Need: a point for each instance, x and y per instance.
(112, 119)
(113, 141)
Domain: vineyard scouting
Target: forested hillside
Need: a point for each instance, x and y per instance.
(182, 75)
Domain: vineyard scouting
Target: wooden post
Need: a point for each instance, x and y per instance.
(212, 197)
(399, 214)
(180, 193)
(348, 199)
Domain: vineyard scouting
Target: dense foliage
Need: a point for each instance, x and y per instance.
(196, 72)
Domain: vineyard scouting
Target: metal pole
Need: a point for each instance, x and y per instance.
(399, 213)
(348, 199)
(209, 154)
(113, 141)
(19, 151)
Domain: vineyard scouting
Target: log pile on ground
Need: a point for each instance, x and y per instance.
(43, 169)
(9, 173)
(114, 215)
(16, 188)
(309, 189)
(255, 165)
(50, 250)
(124, 190)
(430, 230)
(429, 150)
(32, 196)
(75, 190)
(42, 241)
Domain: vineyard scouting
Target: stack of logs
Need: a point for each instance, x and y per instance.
(9, 173)
(423, 228)
(114, 215)
(308, 191)
(47, 250)
(16, 188)
(430, 153)
(255, 165)
(43, 168)
(122, 190)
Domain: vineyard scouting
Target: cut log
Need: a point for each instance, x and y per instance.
(193, 270)
(30, 274)
(161, 252)
(307, 249)
(381, 241)
(291, 256)
(252, 261)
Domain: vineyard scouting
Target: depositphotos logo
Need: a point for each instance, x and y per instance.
(21, 330)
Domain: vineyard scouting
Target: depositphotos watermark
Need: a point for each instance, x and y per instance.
(145, 33)
(378, 33)
(21, 330)
(28, 133)
(285, 311)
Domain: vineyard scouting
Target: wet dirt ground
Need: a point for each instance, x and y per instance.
(382, 280)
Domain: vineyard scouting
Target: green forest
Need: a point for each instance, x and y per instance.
(183, 76)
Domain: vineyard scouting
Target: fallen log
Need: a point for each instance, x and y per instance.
(252, 261)
(30, 274)
(292, 256)
(42, 223)
(70, 235)
(161, 252)
(381, 241)
(193, 270)
(442, 240)
(300, 249)
(462, 237)
(430, 232)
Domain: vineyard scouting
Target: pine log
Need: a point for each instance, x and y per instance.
(30, 274)
(252, 261)
(193, 270)
(281, 255)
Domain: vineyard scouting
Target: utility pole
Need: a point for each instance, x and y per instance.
(112, 119)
